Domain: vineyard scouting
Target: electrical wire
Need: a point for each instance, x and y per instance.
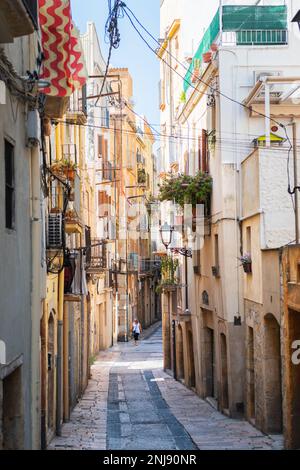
(207, 84)
(113, 34)
(237, 144)
(199, 79)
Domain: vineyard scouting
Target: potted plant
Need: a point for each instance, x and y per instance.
(70, 214)
(65, 168)
(195, 75)
(196, 70)
(69, 169)
(207, 57)
(246, 261)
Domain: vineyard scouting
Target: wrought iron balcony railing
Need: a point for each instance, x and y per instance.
(96, 256)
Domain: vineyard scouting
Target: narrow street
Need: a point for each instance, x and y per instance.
(131, 403)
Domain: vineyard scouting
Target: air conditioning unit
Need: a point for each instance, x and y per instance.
(259, 74)
(33, 129)
(55, 232)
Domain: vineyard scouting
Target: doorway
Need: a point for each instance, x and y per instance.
(191, 359)
(179, 351)
(13, 413)
(272, 361)
(251, 375)
(51, 371)
(294, 376)
(224, 372)
(210, 380)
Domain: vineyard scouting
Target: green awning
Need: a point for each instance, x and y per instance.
(249, 18)
(209, 36)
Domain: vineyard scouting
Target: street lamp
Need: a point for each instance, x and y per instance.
(296, 19)
(166, 233)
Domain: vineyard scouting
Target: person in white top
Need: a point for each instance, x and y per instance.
(136, 330)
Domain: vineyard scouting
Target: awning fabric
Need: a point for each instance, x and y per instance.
(64, 65)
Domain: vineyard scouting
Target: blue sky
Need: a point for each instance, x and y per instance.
(132, 53)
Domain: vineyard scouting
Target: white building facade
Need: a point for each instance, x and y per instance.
(240, 88)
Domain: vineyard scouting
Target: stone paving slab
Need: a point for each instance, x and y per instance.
(131, 403)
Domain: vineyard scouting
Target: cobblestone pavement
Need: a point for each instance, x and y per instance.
(130, 403)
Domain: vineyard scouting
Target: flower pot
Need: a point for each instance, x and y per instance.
(70, 174)
(195, 75)
(214, 47)
(207, 57)
(247, 268)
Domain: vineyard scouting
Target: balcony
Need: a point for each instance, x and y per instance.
(56, 106)
(256, 37)
(72, 277)
(133, 263)
(251, 25)
(17, 18)
(72, 216)
(65, 168)
(107, 171)
(96, 256)
(57, 197)
(148, 267)
(77, 109)
(72, 222)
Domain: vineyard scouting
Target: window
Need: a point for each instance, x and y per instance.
(217, 251)
(9, 185)
(248, 240)
(204, 153)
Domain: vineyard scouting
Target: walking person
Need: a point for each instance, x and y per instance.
(136, 330)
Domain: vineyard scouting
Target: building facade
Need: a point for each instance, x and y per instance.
(231, 110)
(21, 226)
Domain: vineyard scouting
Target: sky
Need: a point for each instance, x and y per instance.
(132, 53)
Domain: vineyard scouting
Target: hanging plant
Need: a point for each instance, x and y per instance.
(186, 189)
(246, 261)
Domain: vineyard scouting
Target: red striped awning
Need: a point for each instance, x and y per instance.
(64, 65)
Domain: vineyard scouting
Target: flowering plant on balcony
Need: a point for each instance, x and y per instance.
(65, 168)
(186, 189)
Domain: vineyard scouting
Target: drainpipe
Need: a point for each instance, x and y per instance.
(36, 305)
(66, 364)
(268, 114)
(174, 349)
(60, 351)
